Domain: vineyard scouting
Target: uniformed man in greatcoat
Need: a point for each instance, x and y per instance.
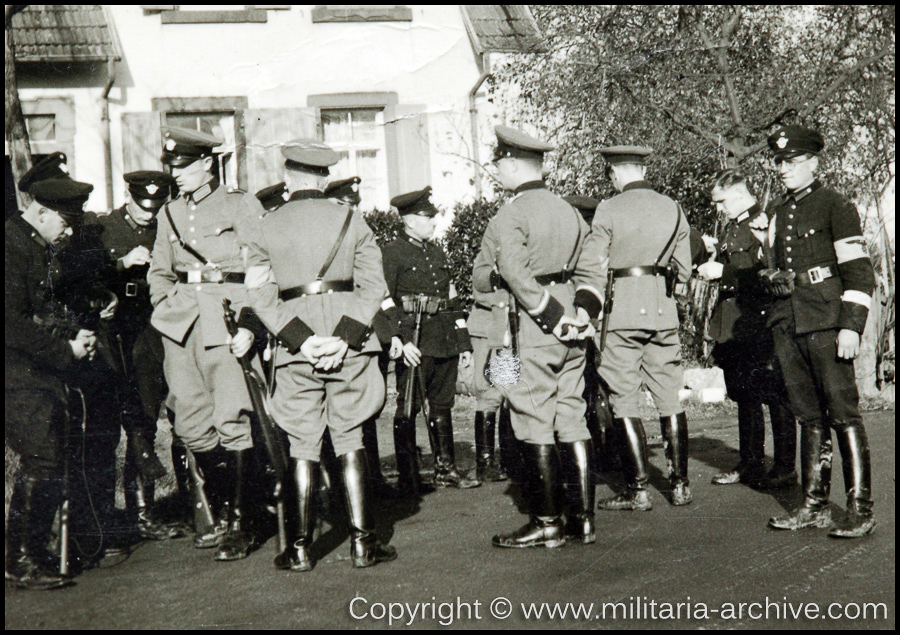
(641, 240)
(823, 286)
(417, 270)
(117, 246)
(744, 348)
(198, 261)
(314, 277)
(43, 347)
(533, 248)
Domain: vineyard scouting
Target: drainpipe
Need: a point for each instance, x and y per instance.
(105, 129)
(473, 121)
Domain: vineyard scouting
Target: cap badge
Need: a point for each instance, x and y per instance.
(64, 168)
(781, 143)
(152, 189)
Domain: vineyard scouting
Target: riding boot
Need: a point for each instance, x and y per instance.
(784, 442)
(675, 445)
(365, 549)
(209, 509)
(145, 458)
(857, 467)
(510, 455)
(296, 557)
(239, 539)
(440, 427)
(380, 487)
(31, 511)
(486, 467)
(630, 431)
(751, 441)
(409, 481)
(815, 480)
(576, 465)
(545, 527)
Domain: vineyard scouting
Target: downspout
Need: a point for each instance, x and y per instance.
(105, 129)
(473, 122)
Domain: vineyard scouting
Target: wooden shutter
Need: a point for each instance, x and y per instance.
(408, 152)
(265, 130)
(141, 141)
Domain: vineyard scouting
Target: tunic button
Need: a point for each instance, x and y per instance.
(553, 284)
(789, 260)
(191, 217)
(790, 215)
(812, 231)
(197, 265)
(788, 248)
(790, 227)
(793, 206)
(192, 229)
(502, 304)
(643, 311)
(660, 311)
(788, 238)
(330, 291)
(112, 251)
(194, 242)
(414, 269)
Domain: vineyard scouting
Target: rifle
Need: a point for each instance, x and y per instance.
(416, 304)
(64, 505)
(607, 309)
(257, 389)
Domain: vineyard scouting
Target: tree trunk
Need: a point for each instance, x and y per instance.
(16, 133)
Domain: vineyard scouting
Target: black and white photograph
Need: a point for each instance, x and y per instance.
(450, 316)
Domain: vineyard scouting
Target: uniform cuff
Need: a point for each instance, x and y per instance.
(463, 341)
(382, 327)
(729, 277)
(853, 316)
(294, 334)
(589, 302)
(550, 316)
(353, 332)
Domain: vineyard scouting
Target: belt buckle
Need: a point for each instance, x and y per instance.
(314, 287)
(131, 289)
(215, 275)
(816, 275)
(194, 276)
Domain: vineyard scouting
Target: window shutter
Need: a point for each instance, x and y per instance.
(408, 152)
(141, 141)
(266, 129)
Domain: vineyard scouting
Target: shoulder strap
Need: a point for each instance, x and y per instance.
(337, 245)
(672, 237)
(575, 253)
(196, 254)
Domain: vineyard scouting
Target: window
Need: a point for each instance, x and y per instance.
(211, 13)
(41, 127)
(361, 13)
(220, 125)
(357, 135)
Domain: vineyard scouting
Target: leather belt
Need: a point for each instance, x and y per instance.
(813, 276)
(316, 288)
(483, 307)
(634, 272)
(560, 277)
(198, 276)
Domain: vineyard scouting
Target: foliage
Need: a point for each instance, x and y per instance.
(462, 242)
(704, 86)
(386, 226)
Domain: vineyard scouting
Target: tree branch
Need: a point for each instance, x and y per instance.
(720, 55)
(842, 79)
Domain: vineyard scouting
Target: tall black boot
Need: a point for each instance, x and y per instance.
(784, 442)
(545, 527)
(206, 476)
(854, 447)
(486, 467)
(510, 455)
(239, 539)
(576, 465)
(296, 557)
(751, 444)
(365, 550)
(675, 445)
(630, 432)
(815, 480)
(440, 426)
(31, 511)
(409, 481)
(379, 486)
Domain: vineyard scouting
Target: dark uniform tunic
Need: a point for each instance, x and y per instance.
(412, 267)
(818, 236)
(207, 388)
(38, 354)
(137, 346)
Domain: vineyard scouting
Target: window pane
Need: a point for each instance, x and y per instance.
(336, 124)
(357, 135)
(41, 127)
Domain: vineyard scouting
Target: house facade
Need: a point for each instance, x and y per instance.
(398, 91)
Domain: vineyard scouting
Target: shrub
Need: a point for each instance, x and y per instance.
(386, 225)
(462, 242)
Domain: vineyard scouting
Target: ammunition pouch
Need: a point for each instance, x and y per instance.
(778, 282)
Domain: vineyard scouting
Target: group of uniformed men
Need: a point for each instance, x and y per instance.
(131, 307)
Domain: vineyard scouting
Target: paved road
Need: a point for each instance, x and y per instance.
(715, 551)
